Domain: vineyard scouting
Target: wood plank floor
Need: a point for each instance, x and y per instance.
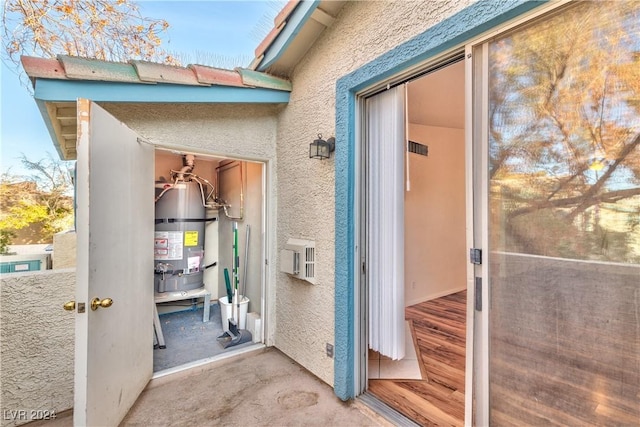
(440, 329)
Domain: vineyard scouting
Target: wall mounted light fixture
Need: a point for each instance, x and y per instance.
(321, 149)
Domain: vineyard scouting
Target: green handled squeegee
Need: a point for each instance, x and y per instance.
(227, 283)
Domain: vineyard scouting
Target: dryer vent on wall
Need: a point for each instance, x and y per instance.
(298, 259)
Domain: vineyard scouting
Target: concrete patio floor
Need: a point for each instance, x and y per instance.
(258, 388)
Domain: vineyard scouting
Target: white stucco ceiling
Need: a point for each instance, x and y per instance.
(437, 99)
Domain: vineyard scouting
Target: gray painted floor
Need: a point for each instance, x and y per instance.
(258, 388)
(189, 339)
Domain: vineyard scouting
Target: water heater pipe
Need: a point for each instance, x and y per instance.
(189, 163)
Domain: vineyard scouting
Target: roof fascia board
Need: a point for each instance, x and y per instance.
(294, 24)
(252, 78)
(70, 90)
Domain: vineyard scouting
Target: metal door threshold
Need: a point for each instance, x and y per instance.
(386, 411)
(205, 362)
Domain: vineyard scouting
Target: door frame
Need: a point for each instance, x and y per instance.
(451, 34)
(439, 62)
(268, 229)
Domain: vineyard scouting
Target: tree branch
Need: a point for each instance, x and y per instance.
(595, 188)
(609, 197)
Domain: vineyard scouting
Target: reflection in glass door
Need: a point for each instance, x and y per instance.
(564, 218)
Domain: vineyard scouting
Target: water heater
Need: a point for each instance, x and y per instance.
(179, 237)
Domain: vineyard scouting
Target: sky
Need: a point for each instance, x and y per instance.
(202, 31)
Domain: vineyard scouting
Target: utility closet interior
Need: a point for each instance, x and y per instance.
(208, 247)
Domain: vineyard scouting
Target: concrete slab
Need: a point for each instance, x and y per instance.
(258, 388)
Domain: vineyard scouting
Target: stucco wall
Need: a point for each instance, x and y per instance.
(64, 250)
(234, 130)
(362, 32)
(36, 343)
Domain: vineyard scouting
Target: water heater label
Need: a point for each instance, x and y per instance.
(191, 238)
(193, 264)
(167, 245)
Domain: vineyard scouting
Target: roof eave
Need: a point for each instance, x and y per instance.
(70, 90)
(55, 95)
(294, 33)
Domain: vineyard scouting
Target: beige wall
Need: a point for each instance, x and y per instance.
(230, 184)
(36, 342)
(167, 161)
(435, 216)
(64, 250)
(362, 32)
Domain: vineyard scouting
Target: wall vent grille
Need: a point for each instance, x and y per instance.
(310, 262)
(417, 148)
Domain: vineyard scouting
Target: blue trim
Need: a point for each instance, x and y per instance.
(443, 36)
(345, 282)
(294, 24)
(71, 90)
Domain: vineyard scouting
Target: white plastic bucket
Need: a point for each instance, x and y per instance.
(226, 312)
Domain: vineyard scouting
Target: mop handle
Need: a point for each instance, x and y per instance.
(236, 306)
(236, 258)
(246, 263)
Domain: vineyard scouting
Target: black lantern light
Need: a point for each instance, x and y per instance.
(321, 149)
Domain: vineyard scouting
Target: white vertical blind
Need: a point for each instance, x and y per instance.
(385, 206)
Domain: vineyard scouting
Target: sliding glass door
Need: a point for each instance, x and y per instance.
(562, 123)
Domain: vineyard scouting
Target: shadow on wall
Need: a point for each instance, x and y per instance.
(36, 343)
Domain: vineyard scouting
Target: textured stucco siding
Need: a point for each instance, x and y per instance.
(306, 195)
(36, 342)
(237, 131)
(64, 250)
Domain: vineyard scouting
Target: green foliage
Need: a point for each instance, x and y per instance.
(5, 241)
(35, 207)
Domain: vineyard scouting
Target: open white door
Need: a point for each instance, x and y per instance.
(114, 345)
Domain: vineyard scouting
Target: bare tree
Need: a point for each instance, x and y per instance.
(102, 29)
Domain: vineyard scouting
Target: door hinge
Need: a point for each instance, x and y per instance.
(364, 268)
(478, 294)
(475, 256)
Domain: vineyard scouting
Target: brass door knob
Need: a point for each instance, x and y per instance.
(70, 306)
(97, 303)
